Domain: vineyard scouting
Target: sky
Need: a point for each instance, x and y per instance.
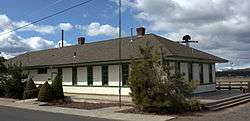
(222, 27)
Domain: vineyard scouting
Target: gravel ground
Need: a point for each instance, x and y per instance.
(237, 113)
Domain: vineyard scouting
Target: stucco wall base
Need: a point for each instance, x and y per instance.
(96, 90)
(205, 88)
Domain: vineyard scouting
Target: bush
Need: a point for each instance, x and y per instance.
(57, 87)
(14, 88)
(153, 88)
(30, 90)
(194, 104)
(45, 93)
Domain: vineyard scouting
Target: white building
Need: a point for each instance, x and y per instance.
(93, 68)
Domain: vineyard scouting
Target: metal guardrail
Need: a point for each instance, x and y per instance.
(241, 85)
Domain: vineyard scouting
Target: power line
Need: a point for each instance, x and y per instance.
(49, 16)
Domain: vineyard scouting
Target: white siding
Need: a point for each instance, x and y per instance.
(67, 76)
(42, 77)
(97, 75)
(82, 76)
(184, 69)
(113, 75)
(206, 73)
(205, 88)
(196, 73)
(172, 66)
(213, 73)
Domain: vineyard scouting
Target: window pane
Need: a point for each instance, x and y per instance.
(125, 74)
(201, 73)
(210, 73)
(190, 71)
(42, 71)
(90, 75)
(105, 75)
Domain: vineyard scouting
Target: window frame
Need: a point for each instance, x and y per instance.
(42, 71)
(90, 76)
(125, 74)
(105, 75)
(210, 73)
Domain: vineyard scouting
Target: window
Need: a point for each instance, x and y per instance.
(105, 75)
(90, 75)
(74, 76)
(201, 73)
(177, 67)
(210, 73)
(190, 71)
(125, 74)
(42, 71)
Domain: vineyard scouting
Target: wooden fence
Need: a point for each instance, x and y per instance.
(242, 85)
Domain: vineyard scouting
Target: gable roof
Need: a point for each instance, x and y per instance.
(108, 50)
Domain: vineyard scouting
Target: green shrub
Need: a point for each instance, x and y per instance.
(194, 104)
(57, 87)
(45, 93)
(30, 90)
(153, 88)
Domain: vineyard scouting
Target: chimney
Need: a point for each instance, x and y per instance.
(81, 40)
(140, 31)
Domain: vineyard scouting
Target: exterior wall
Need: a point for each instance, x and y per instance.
(82, 76)
(205, 88)
(196, 72)
(67, 76)
(97, 75)
(184, 69)
(113, 75)
(96, 90)
(206, 73)
(41, 78)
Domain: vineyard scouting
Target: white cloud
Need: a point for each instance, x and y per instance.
(95, 29)
(222, 27)
(11, 44)
(65, 26)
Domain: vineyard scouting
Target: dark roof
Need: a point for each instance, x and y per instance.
(108, 51)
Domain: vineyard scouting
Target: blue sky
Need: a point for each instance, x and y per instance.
(222, 27)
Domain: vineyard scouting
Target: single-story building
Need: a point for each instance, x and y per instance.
(93, 68)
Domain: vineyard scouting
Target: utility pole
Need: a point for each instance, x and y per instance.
(62, 37)
(120, 64)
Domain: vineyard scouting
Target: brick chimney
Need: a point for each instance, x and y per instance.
(140, 31)
(81, 40)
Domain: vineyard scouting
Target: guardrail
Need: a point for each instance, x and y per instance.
(241, 85)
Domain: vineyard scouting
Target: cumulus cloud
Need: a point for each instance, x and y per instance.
(95, 29)
(222, 27)
(11, 44)
(65, 26)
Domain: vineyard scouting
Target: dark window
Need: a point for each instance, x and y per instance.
(210, 73)
(177, 67)
(90, 75)
(125, 74)
(190, 71)
(105, 75)
(201, 73)
(74, 75)
(42, 71)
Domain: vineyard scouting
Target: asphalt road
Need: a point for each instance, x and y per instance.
(237, 113)
(16, 114)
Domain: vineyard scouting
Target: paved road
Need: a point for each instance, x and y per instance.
(238, 113)
(16, 114)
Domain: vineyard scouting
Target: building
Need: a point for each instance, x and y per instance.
(93, 68)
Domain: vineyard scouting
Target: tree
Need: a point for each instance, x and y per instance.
(30, 90)
(45, 94)
(13, 84)
(57, 87)
(153, 88)
(3, 69)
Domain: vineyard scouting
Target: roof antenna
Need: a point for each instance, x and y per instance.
(187, 39)
(131, 32)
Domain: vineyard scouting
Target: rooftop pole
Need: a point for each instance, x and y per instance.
(120, 102)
